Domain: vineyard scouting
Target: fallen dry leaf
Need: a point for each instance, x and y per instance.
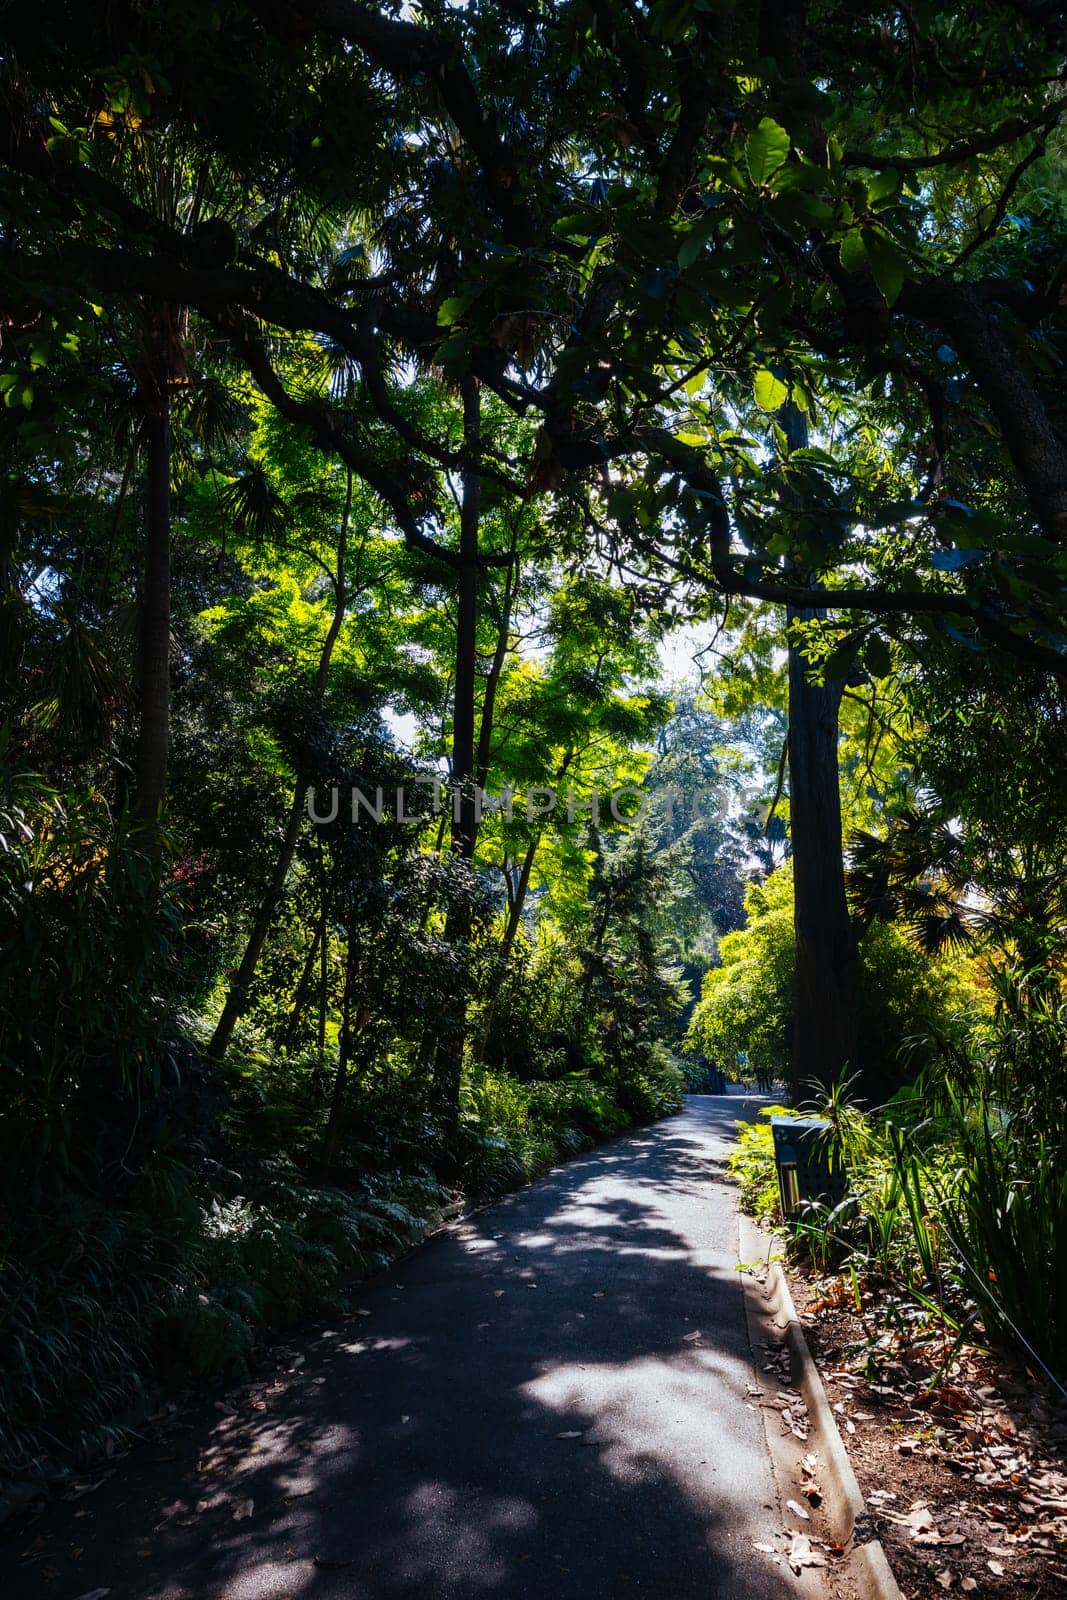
(798, 1510)
(243, 1509)
(995, 1568)
(919, 1519)
(800, 1554)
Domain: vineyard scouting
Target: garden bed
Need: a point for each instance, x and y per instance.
(964, 1468)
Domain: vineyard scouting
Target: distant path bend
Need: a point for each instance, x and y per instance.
(546, 1403)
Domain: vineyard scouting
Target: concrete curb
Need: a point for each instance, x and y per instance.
(846, 1510)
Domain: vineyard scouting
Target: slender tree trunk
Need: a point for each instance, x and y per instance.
(237, 998)
(448, 1056)
(519, 899)
(292, 1025)
(464, 812)
(523, 886)
(153, 737)
(511, 929)
(515, 909)
(492, 682)
(344, 1055)
(324, 977)
(240, 983)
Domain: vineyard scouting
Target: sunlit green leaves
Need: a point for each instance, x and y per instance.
(769, 391)
(766, 149)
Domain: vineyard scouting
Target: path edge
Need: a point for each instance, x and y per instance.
(847, 1513)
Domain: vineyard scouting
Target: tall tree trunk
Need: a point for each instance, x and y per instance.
(153, 737)
(826, 997)
(324, 972)
(237, 997)
(496, 668)
(464, 812)
(448, 1056)
(827, 961)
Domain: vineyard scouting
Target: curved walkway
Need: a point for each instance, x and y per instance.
(547, 1401)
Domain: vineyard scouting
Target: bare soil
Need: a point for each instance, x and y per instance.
(962, 1458)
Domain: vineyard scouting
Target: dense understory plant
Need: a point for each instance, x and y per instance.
(952, 1204)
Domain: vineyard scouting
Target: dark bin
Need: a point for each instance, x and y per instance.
(802, 1155)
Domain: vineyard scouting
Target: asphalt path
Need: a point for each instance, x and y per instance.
(549, 1400)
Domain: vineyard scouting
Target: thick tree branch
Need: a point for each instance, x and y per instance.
(962, 149)
(329, 434)
(1036, 447)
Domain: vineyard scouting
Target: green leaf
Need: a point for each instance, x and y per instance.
(695, 241)
(852, 251)
(839, 663)
(770, 392)
(888, 263)
(578, 225)
(450, 310)
(623, 502)
(884, 186)
(812, 207)
(801, 175)
(454, 355)
(766, 149)
(876, 655)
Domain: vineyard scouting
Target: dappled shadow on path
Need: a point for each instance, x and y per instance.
(549, 1400)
